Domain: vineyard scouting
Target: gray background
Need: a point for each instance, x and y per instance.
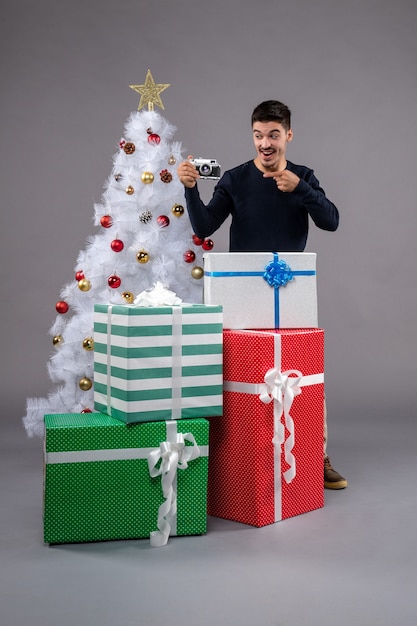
(348, 72)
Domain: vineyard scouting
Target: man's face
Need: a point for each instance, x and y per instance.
(270, 139)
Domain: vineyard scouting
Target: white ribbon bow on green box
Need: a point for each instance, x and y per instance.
(171, 456)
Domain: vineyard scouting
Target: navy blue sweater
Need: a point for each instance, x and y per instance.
(264, 219)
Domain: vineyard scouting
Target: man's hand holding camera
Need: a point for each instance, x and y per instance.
(187, 173)
(285, 180)
(192, 169)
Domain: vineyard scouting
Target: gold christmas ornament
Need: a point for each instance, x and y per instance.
(150, 92)
(88, 344)
(147, 178)
(172, 160)
(128, 297)
(177, 210)
(130, 190)
(84, 284)
(85, 384)
(197, 272)
(142, 256)
(58, 339)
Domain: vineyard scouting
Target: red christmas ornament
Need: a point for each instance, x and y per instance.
(163, 221)
(79, 276)
(86, 411)
(197, 240)
(114, 281)
(61, 307)
(106, 221)
(207, 244)
(117, 245)
(189, 256)
(154, 139)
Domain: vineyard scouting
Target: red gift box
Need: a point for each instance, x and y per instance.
(266, 453)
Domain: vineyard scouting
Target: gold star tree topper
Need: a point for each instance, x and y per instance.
(150, 92)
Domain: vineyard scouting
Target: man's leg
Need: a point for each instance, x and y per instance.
(332, 479)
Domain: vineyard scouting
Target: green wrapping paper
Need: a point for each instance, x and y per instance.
(98, 486)
(158, 363)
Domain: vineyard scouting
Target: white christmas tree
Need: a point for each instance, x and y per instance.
(144, 237)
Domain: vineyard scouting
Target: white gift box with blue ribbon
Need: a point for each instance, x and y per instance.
(263, 289)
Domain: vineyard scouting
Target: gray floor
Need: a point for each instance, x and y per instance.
(352, 563)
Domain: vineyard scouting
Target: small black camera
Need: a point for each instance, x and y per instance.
(207, 168)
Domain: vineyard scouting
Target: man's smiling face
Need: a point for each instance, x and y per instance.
(270, 139)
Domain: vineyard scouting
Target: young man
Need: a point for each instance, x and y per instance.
(270, 200)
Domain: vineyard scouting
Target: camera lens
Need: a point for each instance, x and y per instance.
(205, 169)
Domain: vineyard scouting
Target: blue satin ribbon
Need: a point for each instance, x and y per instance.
(277, 274)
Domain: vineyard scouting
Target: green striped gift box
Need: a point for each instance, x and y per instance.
(158, 363)
(97, 483)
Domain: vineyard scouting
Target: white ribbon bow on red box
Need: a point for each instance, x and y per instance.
(282, 388)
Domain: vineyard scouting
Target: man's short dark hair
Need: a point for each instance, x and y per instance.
(272, 111)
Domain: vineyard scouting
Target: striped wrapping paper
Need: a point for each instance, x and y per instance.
(158, 363)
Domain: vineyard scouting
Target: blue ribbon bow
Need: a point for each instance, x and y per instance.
(278, 273)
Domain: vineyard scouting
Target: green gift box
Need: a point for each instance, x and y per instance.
(106, 480)
(158, 363)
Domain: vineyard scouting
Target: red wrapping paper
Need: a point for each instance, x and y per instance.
(246, 482)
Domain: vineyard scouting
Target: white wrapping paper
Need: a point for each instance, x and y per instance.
(262, 289)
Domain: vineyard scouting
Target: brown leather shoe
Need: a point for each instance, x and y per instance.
(332, 479)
